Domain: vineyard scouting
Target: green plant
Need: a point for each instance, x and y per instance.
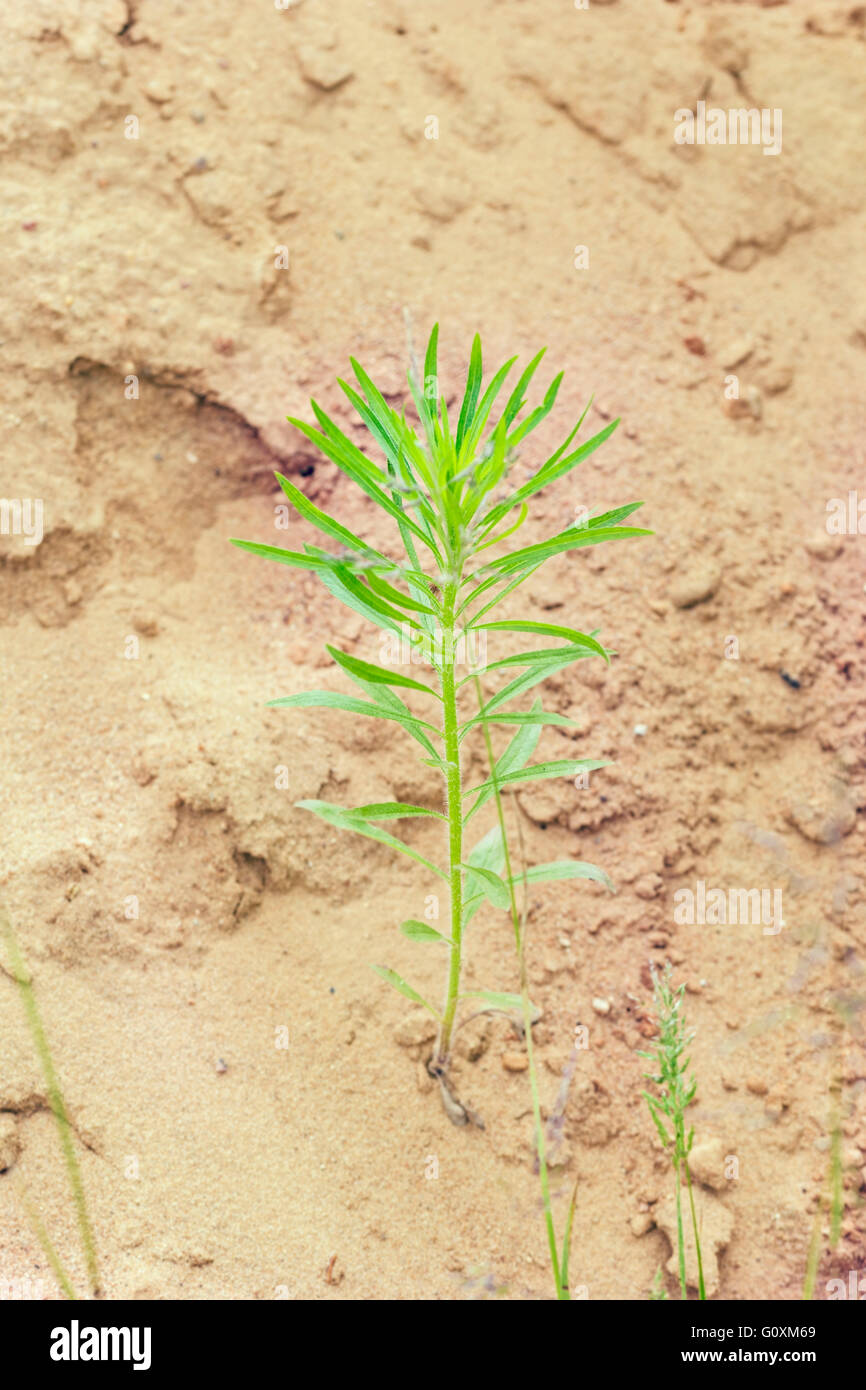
(832, 1200)
(675, 1093)
(559, 1258)
(449, 488)
(23, 980)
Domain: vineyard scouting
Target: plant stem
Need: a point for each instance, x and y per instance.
(561, 1290)
(455, 822)
(681, 1245)
(45, 1241)
(55, 1100)
(702, 1292)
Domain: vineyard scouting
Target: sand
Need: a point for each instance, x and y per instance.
(207, 210)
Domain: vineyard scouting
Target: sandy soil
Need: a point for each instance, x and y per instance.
(217, 1163)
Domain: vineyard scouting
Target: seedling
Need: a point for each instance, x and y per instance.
(559, 1258)
(22, 978)
(450, 489)
(675, 1091)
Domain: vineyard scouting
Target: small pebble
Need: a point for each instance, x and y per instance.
(640, 730)
(695, 587)
(515, 1061)
(641, 1223)
(823, 546)
(737, 352)
(601, 1006)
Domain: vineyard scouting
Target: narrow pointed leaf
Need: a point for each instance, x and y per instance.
(341, 819)
(490, 884)
(537, 673)
(400, 984)
(561, 767)
(494, 999)
(310, 512)
(393, 810)
(430, 365)
(334, 699)
(422, 931)
(378, 675)
(286, 557)
(355, 599)
(515, 756)
(573, 539)
(473, 389)
(387, 699)
(518, 395)
(563, 869)
(388, 591)
(578, 639)
(522, 717)
(542, 657)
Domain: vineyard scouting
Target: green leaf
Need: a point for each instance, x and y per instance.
(334, 699)
(286, 557)
(348, 457)
(487, 401)
(372, 601)
(495, 1000)
(538, 672)
(393, 810)
(516, 755)
(522, 746)
(489, 853)
(566, 1238)
(663, 1133)
(389, 701)
(422, 931)
(491, 885)
(473, 389)
(577, 639)
(341, 819)
(554, 468)
(525, 717)
(310, 512)
(534, 419)
(430, 368)
(396, 597)
(562, 767)
(564, 868)
(356, 601)
(516, 399)
(543, 656)
(400, 984)
(573, 539)
(378, 675)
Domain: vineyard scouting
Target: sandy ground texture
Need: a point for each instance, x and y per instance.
(206, 209)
